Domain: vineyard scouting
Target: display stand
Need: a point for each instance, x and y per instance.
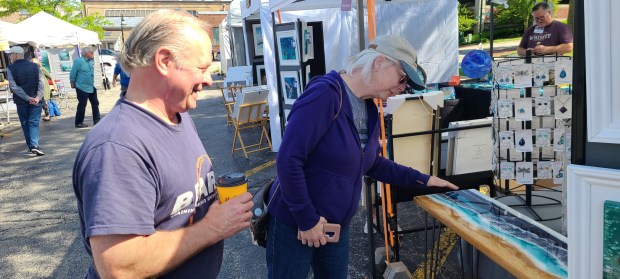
(524, 146)
(300, 56)
(411, 131)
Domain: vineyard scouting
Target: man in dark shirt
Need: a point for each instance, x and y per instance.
(26, 83)
(547, 36)
(156, 213)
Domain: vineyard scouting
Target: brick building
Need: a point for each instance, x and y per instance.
(211, 11)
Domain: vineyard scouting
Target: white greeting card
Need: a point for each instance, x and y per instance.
(558, 173)
(559, 139)
(522, 75)
(504, 108)
(525, 172)
(563, 71)
(506, 140)
(544, 170)
(502, 75)
(523, 109)
(523, 140)
(563, 107)
(540, 72)
(507, 170)
(543, 137)
(542, 106)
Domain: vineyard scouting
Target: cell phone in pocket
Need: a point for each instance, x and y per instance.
(332, 232)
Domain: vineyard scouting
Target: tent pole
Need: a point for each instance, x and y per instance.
(360, 24)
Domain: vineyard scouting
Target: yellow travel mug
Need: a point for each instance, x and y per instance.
(231, 185)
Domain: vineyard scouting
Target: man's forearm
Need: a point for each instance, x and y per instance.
(147, 256)
(563, 48)
(521, 51)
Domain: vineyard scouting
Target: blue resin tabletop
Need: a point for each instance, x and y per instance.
(519, 244)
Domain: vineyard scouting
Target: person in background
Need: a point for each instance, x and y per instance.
(118, 71)
(144, 183)
(547, 36)
(48, 85)
(331, 141)
(82, 78)
(26, 83)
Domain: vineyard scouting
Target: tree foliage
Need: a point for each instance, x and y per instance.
(519, 13)
(466, 18)
(67, 10)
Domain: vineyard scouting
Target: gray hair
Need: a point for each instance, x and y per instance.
(87, 50)
(363, 62)
(163, 28)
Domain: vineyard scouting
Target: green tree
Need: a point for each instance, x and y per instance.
(466, 18)
(519, 13)
(67, 10)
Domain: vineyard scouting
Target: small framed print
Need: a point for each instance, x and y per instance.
(308, 43)
(504, 108)
(559, 139)
(542, 106)
(523, 109)
(563, 71)
(506, 140)
(563, 106)
(523, 141)
(291, 87)
(544, 170)
(523, 75)
(288, 48)
(558, 173)
(507, 170)
(261, 75)
(257, 34)
(525, 172)
(543, 137)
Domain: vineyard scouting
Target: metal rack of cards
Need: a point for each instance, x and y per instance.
(532, 108)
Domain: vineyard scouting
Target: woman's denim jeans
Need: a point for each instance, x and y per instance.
(288, 258)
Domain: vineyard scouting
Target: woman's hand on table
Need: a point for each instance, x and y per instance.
(435, 181)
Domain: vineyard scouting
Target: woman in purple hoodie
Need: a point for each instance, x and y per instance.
(330, 143)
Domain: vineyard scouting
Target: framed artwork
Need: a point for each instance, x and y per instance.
(290, 86)
(257, 34)
(229, 94)
(308, 43)
(590, 189)
(261, 75)
(64, 55)
(66, 66)
(288, 48)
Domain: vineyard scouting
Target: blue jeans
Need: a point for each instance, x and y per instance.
(288, 258)
(29, 118)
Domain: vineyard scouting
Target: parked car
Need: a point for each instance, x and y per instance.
(108, 59)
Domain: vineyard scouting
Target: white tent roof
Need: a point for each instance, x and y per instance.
(5, 34)
(234, 14)
(250, 7)
(300, 5)
(43, 29)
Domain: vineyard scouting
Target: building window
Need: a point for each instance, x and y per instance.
(216, 35)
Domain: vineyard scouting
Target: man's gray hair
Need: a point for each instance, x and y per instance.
(87, 50)
(163, 28)
(363, 62)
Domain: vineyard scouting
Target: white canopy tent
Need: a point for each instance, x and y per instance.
(5, 33)
(231, 31)
(45, 30)
(430, 26)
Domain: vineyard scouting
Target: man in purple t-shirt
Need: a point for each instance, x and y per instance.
(547, 36)
(144, 183)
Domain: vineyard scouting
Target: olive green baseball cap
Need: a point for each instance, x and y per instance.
(401, 50)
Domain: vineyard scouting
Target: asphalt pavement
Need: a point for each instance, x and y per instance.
(39, 228)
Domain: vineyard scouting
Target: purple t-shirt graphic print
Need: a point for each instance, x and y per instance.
(136, 174)
(554, 34)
